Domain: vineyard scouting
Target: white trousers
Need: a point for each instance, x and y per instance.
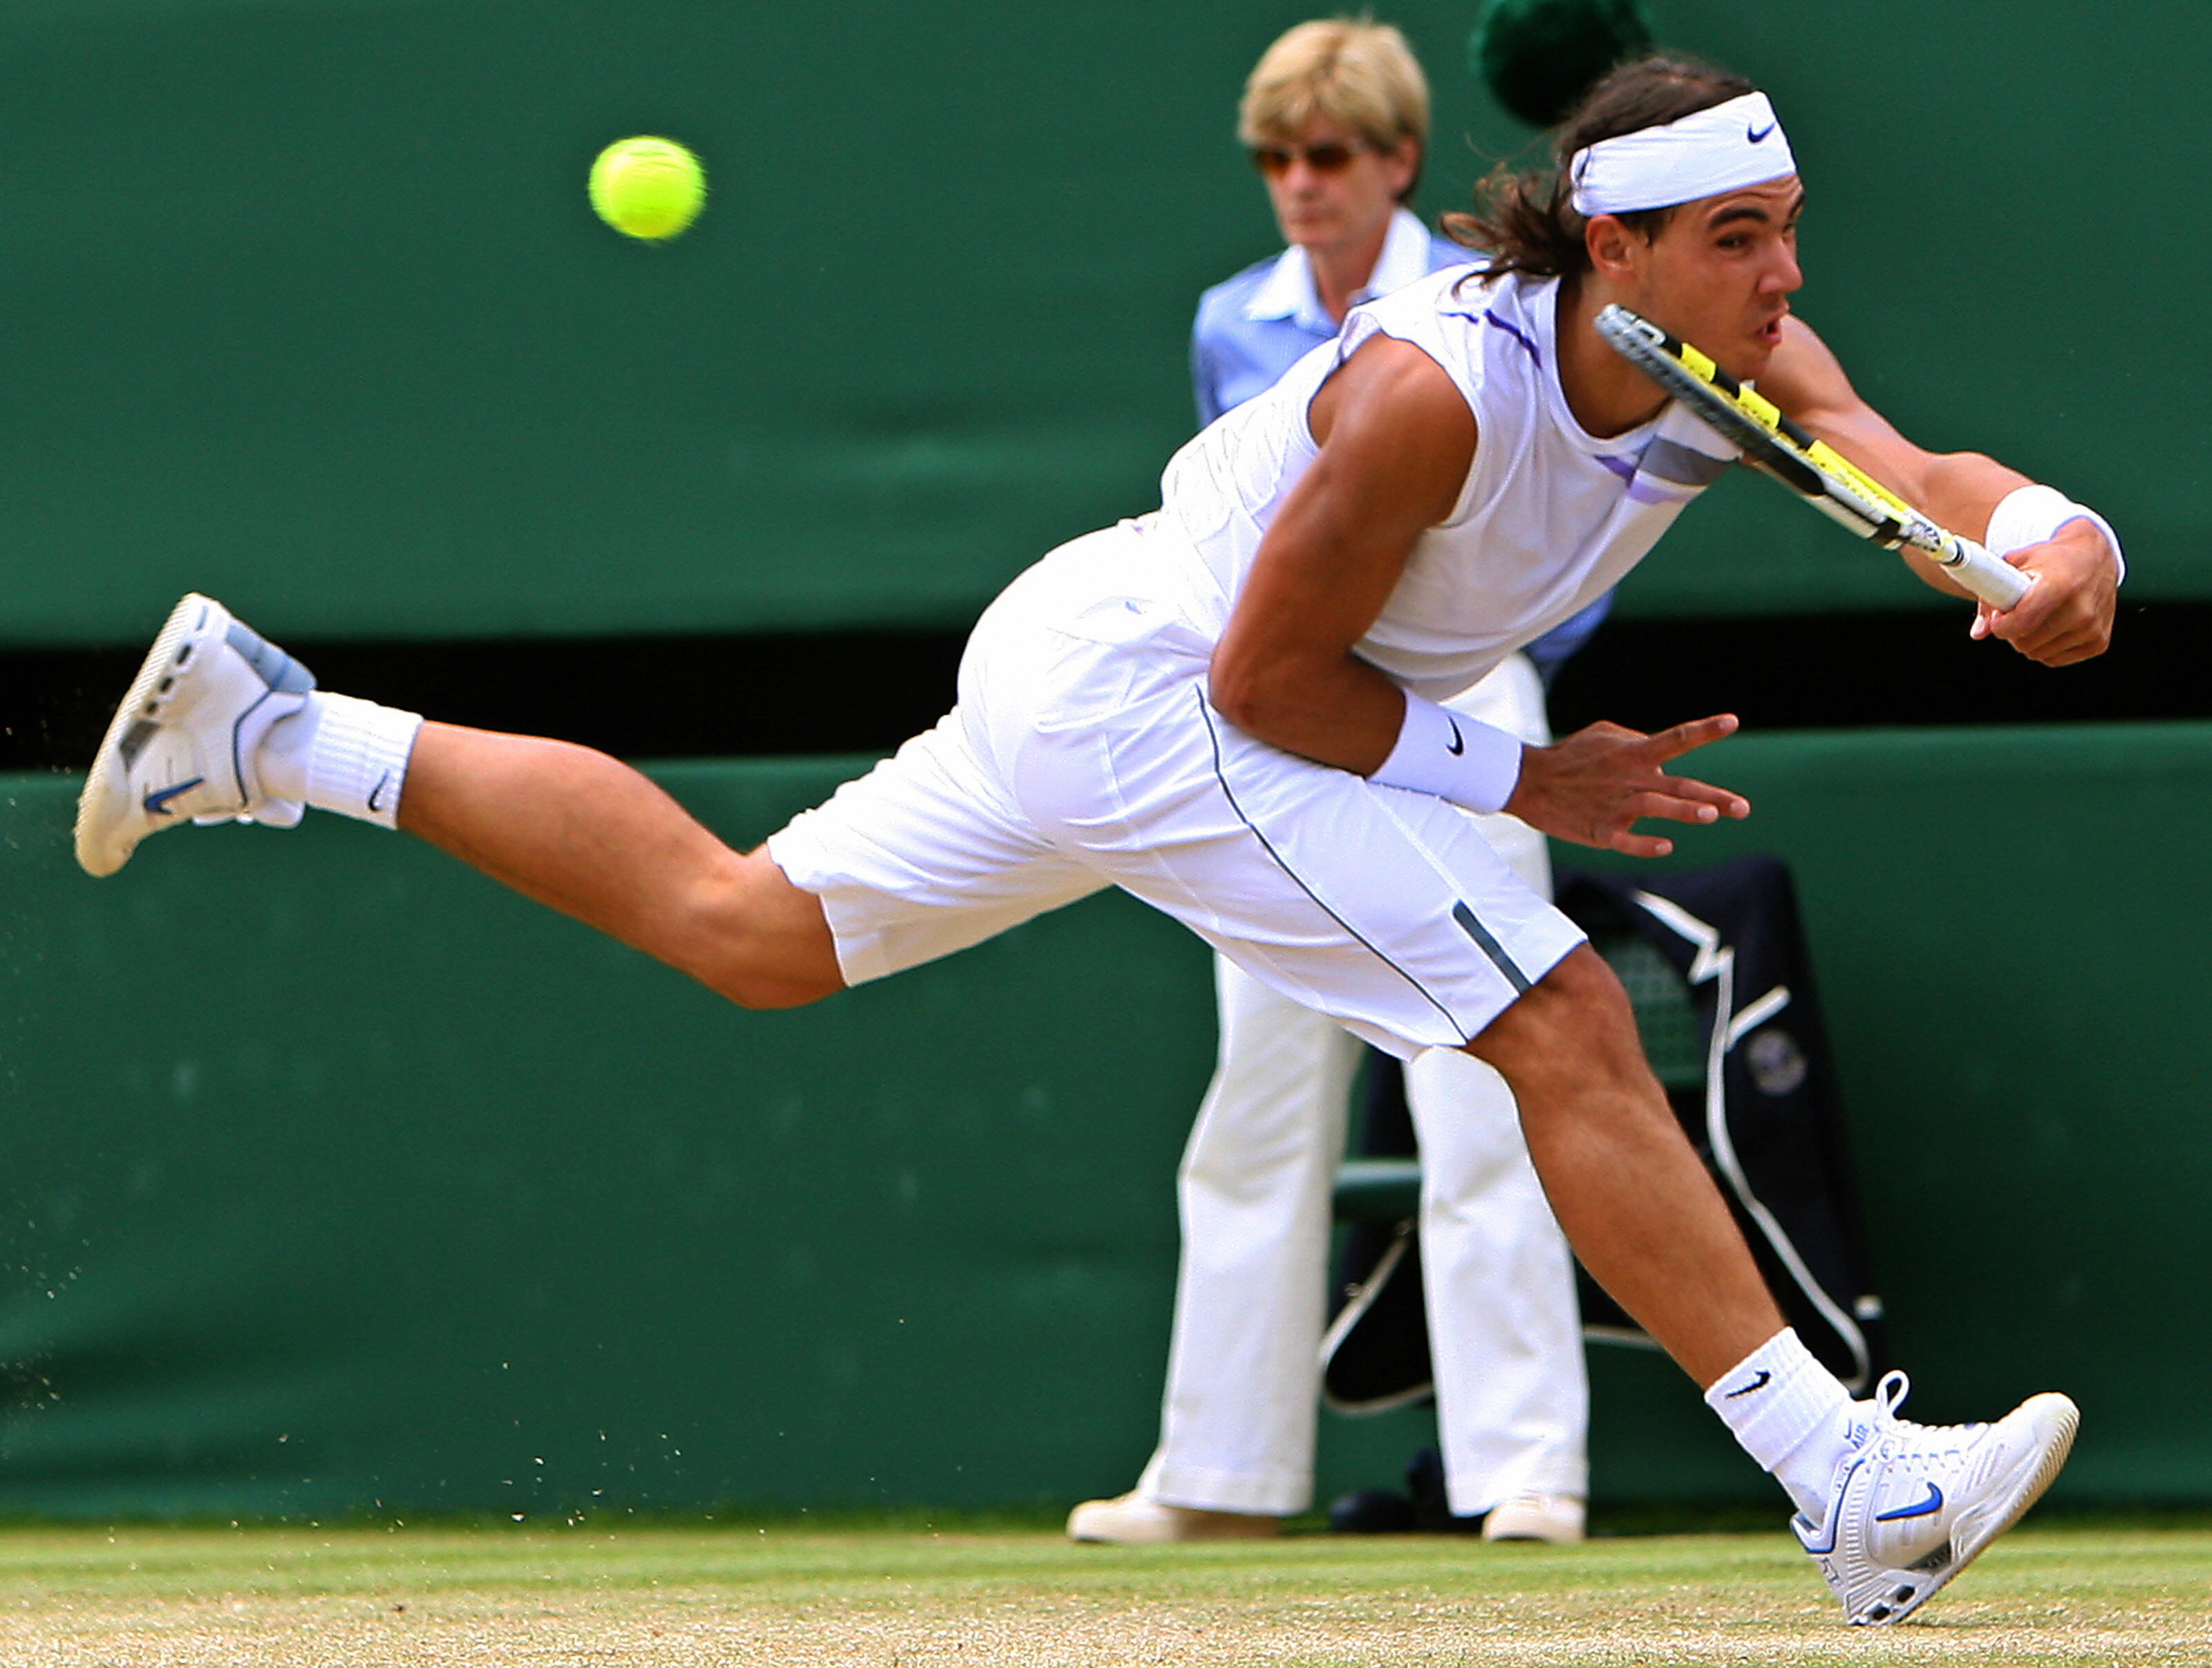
(1238, 1422)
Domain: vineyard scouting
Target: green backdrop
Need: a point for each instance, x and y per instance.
(302, 303)
(339, 1180)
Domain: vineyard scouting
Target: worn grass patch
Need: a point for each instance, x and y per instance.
(2063, 1592)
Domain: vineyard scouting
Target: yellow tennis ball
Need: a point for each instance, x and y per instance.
(647, 188)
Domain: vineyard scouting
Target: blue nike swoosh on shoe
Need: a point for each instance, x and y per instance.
(1758, 135)
(1933, 1503)
(157, 802)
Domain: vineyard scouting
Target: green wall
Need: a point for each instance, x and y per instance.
(302, 303)
(337, 1177)
(336, 1174)
(340, 1180)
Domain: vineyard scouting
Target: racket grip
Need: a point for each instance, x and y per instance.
(1992, 578)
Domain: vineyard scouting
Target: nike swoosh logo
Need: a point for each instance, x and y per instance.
(1759, 1383)
(1457, 746)
(1933, 1503)
(1758, 135)
(157, 802)
(377, 791)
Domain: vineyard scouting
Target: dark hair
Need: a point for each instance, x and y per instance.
(1526, 223)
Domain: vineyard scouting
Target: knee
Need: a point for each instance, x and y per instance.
(766, 994)
(1573, 1027)
(757, 938)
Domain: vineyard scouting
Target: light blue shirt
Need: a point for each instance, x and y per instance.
(1253, 327)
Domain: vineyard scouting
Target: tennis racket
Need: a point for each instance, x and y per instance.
(1809, 467)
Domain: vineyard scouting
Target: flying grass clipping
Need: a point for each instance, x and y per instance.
(648, 188)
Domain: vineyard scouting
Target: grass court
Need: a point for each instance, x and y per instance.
(2071, 1591)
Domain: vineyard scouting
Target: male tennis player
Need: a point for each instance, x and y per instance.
(1226, 708)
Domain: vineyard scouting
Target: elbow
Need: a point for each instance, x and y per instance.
(1238, 690)
(1949, 480)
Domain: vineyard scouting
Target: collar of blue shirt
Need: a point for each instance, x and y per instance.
(1288, 290)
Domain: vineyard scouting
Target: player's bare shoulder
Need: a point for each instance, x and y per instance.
(1393, 417)
(1391, 381)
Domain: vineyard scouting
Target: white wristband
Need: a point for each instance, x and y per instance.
(1453, 756)
(2031, 514)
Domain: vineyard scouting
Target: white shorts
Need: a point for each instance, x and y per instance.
(1083, 753)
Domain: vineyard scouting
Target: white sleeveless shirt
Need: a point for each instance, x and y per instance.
(1550, 517)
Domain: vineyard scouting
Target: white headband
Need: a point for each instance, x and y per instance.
(1705, 153)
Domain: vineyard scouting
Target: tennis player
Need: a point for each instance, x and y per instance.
(1229, 708)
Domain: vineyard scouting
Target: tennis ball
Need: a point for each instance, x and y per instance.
(1539, 57)
(647, 188)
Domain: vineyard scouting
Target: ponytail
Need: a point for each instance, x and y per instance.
(1525, 223)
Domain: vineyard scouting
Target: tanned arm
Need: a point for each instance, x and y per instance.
(1397, 440)
(2067, 614)
(1396, 443)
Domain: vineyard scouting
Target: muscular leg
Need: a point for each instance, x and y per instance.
(1637, 1205)
(588, 836)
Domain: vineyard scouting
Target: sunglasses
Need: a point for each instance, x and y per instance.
(1330, 157)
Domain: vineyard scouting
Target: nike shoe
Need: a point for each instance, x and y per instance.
(1913, 1505)
(1132, 1519)
(181, 746)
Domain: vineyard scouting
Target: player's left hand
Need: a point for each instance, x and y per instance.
(2067, 614)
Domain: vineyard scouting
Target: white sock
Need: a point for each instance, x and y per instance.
(339, 754)
(1792, 1415)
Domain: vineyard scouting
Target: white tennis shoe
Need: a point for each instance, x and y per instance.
(1555, 1517)
(1913, 1505)
(1135, 1519)
(182, 744)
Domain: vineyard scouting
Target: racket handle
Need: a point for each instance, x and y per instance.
(1992, 578)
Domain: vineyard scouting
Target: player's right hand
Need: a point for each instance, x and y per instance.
(1591, 787)
(2066, 615)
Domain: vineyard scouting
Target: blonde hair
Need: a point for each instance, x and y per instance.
(1355, 72)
